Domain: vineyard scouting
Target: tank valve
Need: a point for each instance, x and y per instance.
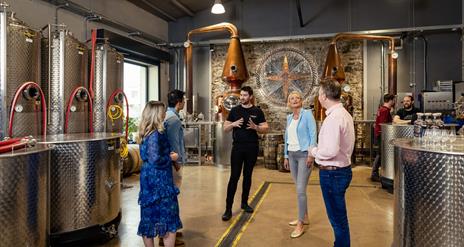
(81, 95)
(31, 93)
(118, 98)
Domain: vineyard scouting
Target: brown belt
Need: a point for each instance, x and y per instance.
(332, 168)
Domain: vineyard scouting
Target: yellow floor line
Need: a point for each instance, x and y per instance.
(236, 219)
(237, 239)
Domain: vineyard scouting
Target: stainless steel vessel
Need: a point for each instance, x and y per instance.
(222, 145)
(23, 197)
(428, 203)
(390, 132)
(64, 68)
(109, 75)
(19, 63)
(84, 185)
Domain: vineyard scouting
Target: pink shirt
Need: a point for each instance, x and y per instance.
(336, 138)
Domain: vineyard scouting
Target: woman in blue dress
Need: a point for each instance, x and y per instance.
(158, 195)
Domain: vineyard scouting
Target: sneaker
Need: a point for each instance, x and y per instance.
(227, 215)
(247, 208)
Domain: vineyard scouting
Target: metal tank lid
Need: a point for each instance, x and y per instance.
(81, 137)
(38, 148)
(457, 148)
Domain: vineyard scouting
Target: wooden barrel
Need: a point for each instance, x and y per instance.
(271, 142)
(132, 162)
(281, 158)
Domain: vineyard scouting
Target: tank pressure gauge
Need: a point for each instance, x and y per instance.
(73, 108)
(19, 108)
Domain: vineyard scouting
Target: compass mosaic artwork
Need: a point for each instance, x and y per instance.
(284, 70)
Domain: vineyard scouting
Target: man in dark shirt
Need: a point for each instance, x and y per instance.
(246, 120)
(383, 116)
(407, 114)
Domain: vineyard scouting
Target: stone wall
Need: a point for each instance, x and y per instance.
(351, 53)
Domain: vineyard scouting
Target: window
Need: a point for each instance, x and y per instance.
(135, 87)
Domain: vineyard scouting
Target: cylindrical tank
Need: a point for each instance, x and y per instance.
(20, 63)
(23, 197)
(222, 145)
(109, 75)
(390, 132)
(64, 68)
(85, 189)
(428, 201)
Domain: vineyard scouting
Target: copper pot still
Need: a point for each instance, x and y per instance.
(235, 72)
(334, 69)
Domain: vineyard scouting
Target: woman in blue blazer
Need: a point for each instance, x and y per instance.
(300, 137)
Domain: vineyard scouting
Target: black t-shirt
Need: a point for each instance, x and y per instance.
(408, 115)
(243, 135)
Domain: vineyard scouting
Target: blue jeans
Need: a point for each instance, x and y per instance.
(333, 185)
(300, 173)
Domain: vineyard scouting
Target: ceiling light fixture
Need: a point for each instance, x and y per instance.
(218, 8)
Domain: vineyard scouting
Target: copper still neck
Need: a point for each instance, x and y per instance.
(235, 72)
(334, 69)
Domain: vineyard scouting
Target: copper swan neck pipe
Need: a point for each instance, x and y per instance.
(224, 26)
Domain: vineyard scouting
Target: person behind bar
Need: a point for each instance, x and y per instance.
(383, 116)
(159, 208)
(407, 114)
(300, 136)
(175, 133)
(246, 121)
(333, 154)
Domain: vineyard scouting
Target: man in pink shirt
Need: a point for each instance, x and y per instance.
(333, 154)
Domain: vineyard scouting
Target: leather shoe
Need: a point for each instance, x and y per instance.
(297, 233)
(247, 208)
(227, 215)
(295, 222)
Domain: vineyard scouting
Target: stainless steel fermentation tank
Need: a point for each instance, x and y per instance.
(64, 70)
(85, 186)
(23, 197)
(428, 201)
(19, 63)
(109, 75)
(390, 132)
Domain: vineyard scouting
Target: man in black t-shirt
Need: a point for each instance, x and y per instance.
(407, 114)
(245, 120)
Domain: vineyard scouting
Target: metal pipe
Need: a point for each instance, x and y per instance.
(3, 68)
(382, 72)
(451, 28)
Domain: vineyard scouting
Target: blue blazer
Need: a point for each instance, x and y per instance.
(306, 131)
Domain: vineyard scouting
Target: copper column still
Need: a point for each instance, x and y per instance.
(334, 69)
(235, 72)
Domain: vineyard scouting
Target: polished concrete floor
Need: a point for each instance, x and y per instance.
(202, 200)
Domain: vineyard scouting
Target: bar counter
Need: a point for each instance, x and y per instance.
(429, 194)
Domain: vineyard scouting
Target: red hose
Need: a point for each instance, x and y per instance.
(68, 109)
(9, 141)
(11, 147)
(15, 100)
(127, 107)
(92, 63)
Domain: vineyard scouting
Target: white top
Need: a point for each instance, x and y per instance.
(292, 141)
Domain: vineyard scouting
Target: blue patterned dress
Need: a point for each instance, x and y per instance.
(158, 196)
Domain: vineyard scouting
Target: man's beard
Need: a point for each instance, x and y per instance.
(244, 102)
